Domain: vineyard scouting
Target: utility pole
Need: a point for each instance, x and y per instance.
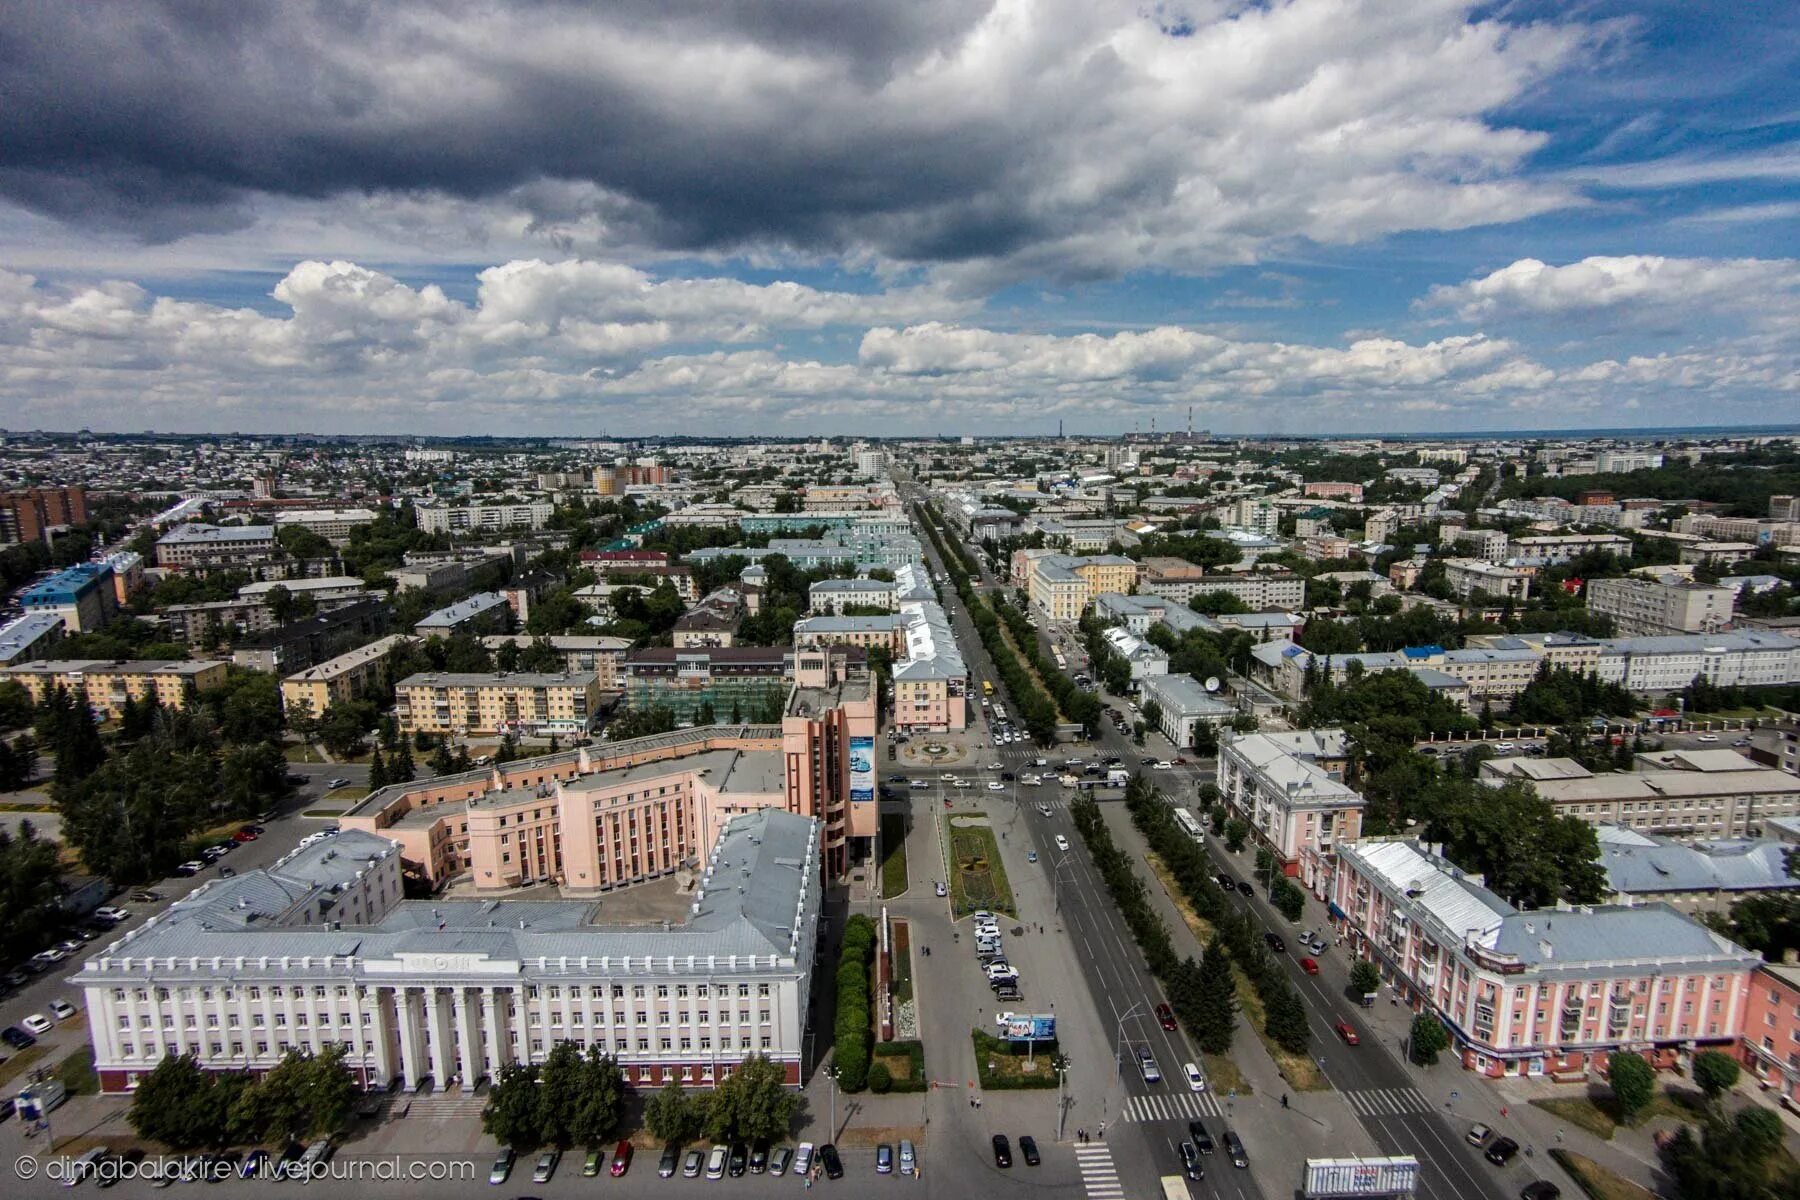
(1061, 1064)
(831, 1073)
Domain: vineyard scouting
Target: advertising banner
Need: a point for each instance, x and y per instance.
(1022, 1027)
(862, 770)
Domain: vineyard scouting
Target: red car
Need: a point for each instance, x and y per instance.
(621, 1158)
(1309, 966)
(1344, 1031)
(245, 834)
(1166, 1017)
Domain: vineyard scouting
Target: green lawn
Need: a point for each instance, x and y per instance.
(76, 1072)
(893, 844)
(1598, 1182)
(1600, 1118)
(977, 877)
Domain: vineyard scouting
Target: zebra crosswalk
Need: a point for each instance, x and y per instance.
(1388, 1102)
(1175, 1106)
(1098, 1175)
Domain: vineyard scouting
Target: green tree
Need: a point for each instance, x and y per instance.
(1285, 1020)
(400, 767)
(15, 706)
(1715, 1072)
(1184, 991)
(171, 1105)
(511, 1116)
(280, 603)
(1365, 978)
(753, 1103)
(602, 1101)
(1289, 899)
(1633, 1084)
(1427, 1039)
(1235, 833)
(561, 1080)
(304, 1096)
(1531, 855)
(672, 1115)
(1218, 1000)
(378, 769)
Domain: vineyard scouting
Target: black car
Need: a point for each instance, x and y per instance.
(671, 1158)
(1542, 1189)
(739, 1160)
(1002, 1151)
(834, 1166)
(1190, 1162)
(1275, 943)
(1501, 1151)
(759, 1158)
(1007, 777)
(1028, 1150)
(17, 1038)
(1245, 888)
(1227, 882)
(1234, 1147)
(1202, 1140)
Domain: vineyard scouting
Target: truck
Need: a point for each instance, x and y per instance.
(1118, 777)
(1070, 781)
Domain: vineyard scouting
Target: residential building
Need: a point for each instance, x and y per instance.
(320, 950)
(885, 632)
(332, 524)
(1144, 659)
(200, 547)
(31, 638)
(127, 574)
(483, 518)
(1468, 577)
(835, 595)
(615, 479)
(1648, 608)
(1257, 516)
(1561, 548)
(1751, 658)
(738, 682)
(1707, 875)
(1062, 585)
(83, 596)
(580, 653)
(1683, 793)
(350, 676)
(477, 614)
(1263, 591)
(520, 703)
(1718, 555)
(307, 640)
(931, 683)
(1488, 545)
(29, 516)
(712, 622)
(1771, 1041)
(108, 684)
(1289, 788)
(1350, 492)
(1547, 992)
(1183, 705)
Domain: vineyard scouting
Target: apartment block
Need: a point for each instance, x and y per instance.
(1683, 793)
(1289, 788)
(108, 684)
(1547, 992)
(1264, 591)
(600, 655)
(83, 596)
(29, 516)
(1649, 608)
(521, 703)
(1062, 585)
(201, 547)
(30, 638)
(1468, 576)
(477, 614)
(350, 676)
(1751, 658)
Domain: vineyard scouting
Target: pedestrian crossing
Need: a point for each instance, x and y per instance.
(1098, 1174)
(1388, 1102)
(1175, 1106)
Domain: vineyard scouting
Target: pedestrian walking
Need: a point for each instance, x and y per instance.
(1284, 1099)
(1103, 1131)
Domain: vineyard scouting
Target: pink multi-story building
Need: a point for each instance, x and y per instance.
(1771, 1045)
(605, 816)
(1552, 991)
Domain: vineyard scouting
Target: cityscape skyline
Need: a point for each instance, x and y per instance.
(1308, 218)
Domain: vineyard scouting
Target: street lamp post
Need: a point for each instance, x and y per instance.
(831, 1073)
(1061, 1064)
(1056, 878)
(1119, 1039)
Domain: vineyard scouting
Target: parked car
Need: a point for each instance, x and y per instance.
(908, 1158)
(590, 1166)
(884, 1159)
(1002, 1151)
(739, 1162)
(62, 1010)
(37, 1023)
(190, 868)
(1028, 1150)
(1479, 1134)
(145, 896)
(621, 1158)
(671, 1158)
(937, 885)
(759, 1157)
(1501, 1151)
(546, 1166)
(803, 1157)
(693, 1164)
(1234, 1148)
(107, 912)
(1165, 1016)
(781, 1157)
(834, 1166)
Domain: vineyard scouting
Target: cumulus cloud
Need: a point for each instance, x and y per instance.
(571, 346)
(1065, 139)
(1649, 283)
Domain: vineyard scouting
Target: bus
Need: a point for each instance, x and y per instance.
(1189, 823)
(999, 711)
(1174, 1187)
(1062, 663)
(987, 687)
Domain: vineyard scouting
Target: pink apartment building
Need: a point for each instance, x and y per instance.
(1552, 991)
(613, 814)
(1771, 1046)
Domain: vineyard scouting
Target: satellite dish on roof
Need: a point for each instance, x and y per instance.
(1212, 683)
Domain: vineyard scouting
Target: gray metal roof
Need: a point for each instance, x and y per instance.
(1639, 863)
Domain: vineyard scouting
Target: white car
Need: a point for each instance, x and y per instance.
(941, 889)
(107, 912)
(36, 1023)
(983, 916)
(996, 970)
(994, 785)
(1707, 737)
(1162, 764)
(1043, 809)
(961, 785)
(1196, 1081)
(803, 1156)
(1062, 843)
(62, 1010)
(920, 785)
(1504, 747)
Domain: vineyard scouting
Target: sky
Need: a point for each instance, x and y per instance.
(891, 217)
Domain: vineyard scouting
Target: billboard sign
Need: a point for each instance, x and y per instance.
(1327, 1178)
(862, 770)
(1026, 1027)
